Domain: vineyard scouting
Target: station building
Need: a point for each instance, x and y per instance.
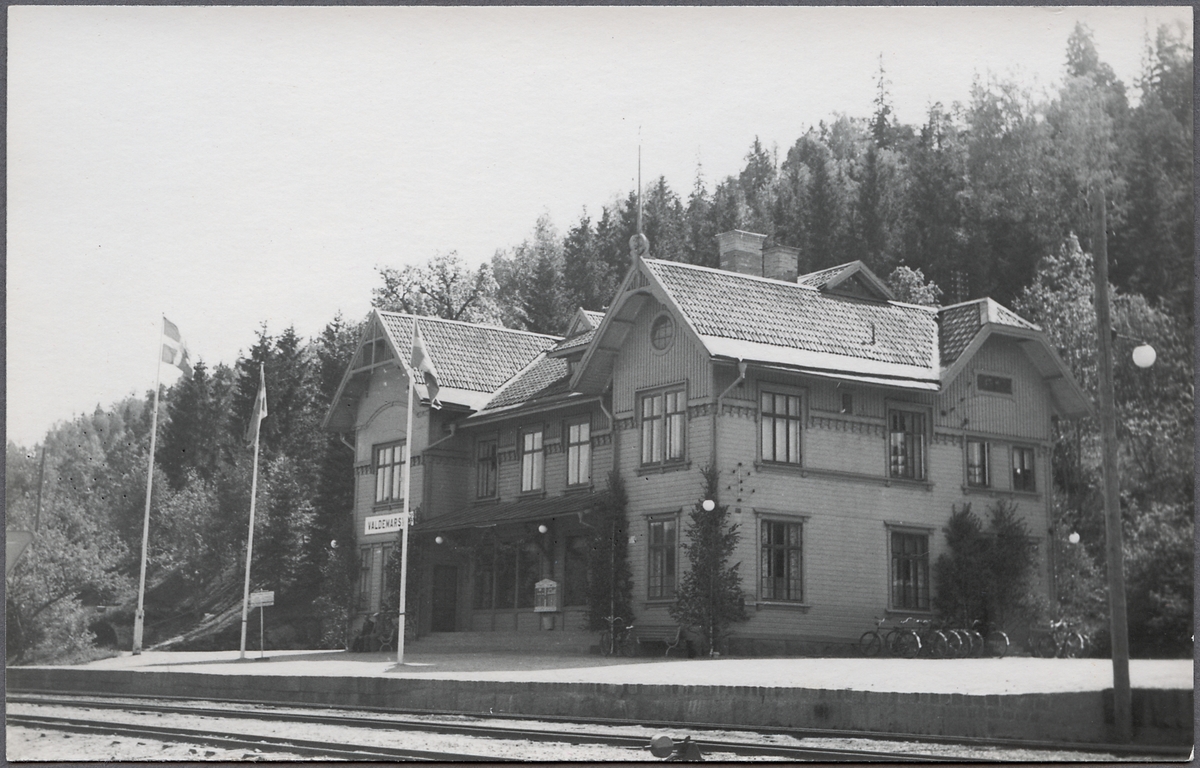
(845, 427)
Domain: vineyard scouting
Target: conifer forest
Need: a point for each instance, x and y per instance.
(986, 198)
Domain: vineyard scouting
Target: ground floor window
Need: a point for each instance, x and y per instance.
(782, 564)
(575, 574)
(910, 570)
(661, 549)
(505, 577)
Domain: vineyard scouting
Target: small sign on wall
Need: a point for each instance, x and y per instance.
(545, 596)
(383, 523)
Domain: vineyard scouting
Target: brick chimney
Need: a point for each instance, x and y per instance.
(781, 262)
(741, 252)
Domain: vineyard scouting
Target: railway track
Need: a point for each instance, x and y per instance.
(341, 750)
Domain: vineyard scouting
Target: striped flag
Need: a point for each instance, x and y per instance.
(427, 380)
(174, 349)
(260, 407)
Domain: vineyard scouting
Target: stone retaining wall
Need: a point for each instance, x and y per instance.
(1161, 717)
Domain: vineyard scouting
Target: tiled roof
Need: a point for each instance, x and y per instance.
(578, 340)
(524, 510)
(472, 357)
(740, 307)
(959, 324)
(546, 377)
(595, 317)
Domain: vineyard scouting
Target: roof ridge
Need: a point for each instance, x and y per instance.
(718, 271)
(464, 322)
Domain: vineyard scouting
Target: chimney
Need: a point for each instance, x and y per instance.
(741, 252)
(781, 262)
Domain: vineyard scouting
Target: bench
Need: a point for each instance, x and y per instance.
(667, 634)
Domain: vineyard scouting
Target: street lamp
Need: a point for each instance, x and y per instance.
(1118, 621)
(708, 505)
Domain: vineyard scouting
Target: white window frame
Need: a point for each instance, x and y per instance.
(777, 519)
(1032, 468)
(533, 459)
(389, 484)
(892, 581)
(912, 409)
(986, 466)
(579, 451)
(661, 426)
(670, 552)
(800, 420)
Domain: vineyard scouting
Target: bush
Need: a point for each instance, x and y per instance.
(988, 574)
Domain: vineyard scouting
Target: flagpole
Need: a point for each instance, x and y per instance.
(408, 441)
(139, 618)
(253, 497)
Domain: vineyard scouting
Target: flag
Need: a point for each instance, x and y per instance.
(174, 349)
(426, 375)
(260, 407)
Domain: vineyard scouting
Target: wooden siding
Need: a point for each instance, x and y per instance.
(1025, 413)
(640, 366)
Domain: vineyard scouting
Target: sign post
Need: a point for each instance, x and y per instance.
(260, 600)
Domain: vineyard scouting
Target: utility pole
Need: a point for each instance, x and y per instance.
(1118, 621)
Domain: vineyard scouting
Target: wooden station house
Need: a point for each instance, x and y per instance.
(845, 427)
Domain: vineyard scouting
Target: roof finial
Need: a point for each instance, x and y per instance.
(639, 245)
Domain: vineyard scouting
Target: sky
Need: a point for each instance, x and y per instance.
(234, 167)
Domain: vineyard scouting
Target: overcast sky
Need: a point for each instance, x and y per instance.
(234, 166)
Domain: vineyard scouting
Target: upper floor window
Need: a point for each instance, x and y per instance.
(910, 570)
(661, 550)
(664, 415)
(907, 431)
(782, 561)
(662, 332)
(991, 383)
(1023, 474)
(389, 472)
(579, 453)
(485, 469)
(780, 427)
(977, 464)
(847, 403)
(533, 460)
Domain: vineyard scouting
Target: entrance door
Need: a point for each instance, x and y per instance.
(445, 597)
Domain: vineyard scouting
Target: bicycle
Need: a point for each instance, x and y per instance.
(1058, 640)
(994, 643)
(617, 640)
(871, 643)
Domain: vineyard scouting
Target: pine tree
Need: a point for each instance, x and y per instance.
(610, 580)
(710, 593)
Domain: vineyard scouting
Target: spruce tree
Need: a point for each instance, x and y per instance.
(710, 593)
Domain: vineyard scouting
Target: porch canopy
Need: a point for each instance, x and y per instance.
(485, 515)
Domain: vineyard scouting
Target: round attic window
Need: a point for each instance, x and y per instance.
(662, 332)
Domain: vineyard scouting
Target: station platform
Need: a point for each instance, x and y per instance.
(1020, 698)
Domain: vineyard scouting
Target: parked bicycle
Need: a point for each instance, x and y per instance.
(995, 641)
(617, 640)
(1058, 640)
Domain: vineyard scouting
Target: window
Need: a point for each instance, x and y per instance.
(910, 571)
(389, 472)
(364, 578)
(662, 559)
(662, 332)
(780, 428)
(663, 418)
(579, 453)
(998, 384)
(385, 576)
(485, 469)
(977, 464)
(906, 446)
(506, 580)
(533, 460)
(1023, 474)
(782, 561)
(847, 403)
(575, 576)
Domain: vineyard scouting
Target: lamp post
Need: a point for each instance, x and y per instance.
(1118, 622)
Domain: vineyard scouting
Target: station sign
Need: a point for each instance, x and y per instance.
(262, 599)
(383, 523)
